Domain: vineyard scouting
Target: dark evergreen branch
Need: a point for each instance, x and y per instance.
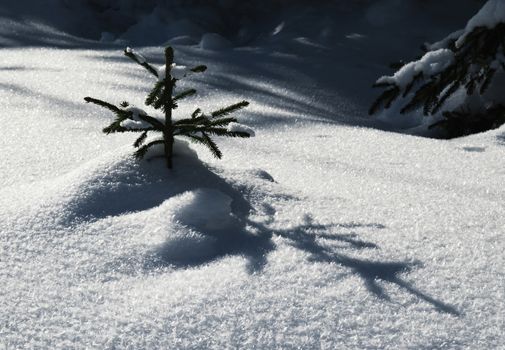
(103, 104)
(414, 81)
(216, 152)
(385, 99)
(487, 80)
(115, 128)
(419, 98)
(448, 93)
(225, 132)
(230, 109)
(141, 152)
(223, 121)
(146, 65)
(196, 113)
(138, 142)
(199, 69)
(191, 122)
(211, 131)
(154, 94)
(184, 94)
(206, 141)
(157, 125)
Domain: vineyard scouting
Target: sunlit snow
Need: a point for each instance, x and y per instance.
(322, 232)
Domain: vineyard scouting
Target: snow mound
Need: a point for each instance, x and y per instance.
(191, 224)
(214, 42)
(113, 185)
(184, 40)
(196, 224)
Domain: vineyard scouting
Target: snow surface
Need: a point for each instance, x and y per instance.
(491, 14)
(321, 232)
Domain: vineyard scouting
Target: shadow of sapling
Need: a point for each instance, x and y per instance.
(254, 241)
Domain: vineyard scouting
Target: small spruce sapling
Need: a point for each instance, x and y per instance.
(465, 64)
(199, 127)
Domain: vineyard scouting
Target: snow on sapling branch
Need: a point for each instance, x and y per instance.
(461, 68)
(199, 127)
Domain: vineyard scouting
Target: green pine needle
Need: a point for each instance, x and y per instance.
(138, 142)
(184, 94)
(155, 94)
(199, 69)
(208, 142)
(146, 65)
(223, 121)
(101, 103)
(142, 151)
(230, 109)
(196, 113)
(156, 124)
(216, 152)
(198, 128)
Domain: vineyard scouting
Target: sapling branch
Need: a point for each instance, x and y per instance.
(198, 127)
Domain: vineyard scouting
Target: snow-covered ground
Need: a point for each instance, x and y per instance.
(323, 231)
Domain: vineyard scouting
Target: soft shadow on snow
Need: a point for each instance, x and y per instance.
(190, 217)
(308, 237)
(113, 189)
(210, 219)
(214, 227)
(40, 96)
(256, 247)
(282, 89)
(501, 138)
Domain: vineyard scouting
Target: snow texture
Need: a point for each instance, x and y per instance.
(322, 232)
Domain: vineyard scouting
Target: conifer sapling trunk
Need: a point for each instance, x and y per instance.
(169, 87)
